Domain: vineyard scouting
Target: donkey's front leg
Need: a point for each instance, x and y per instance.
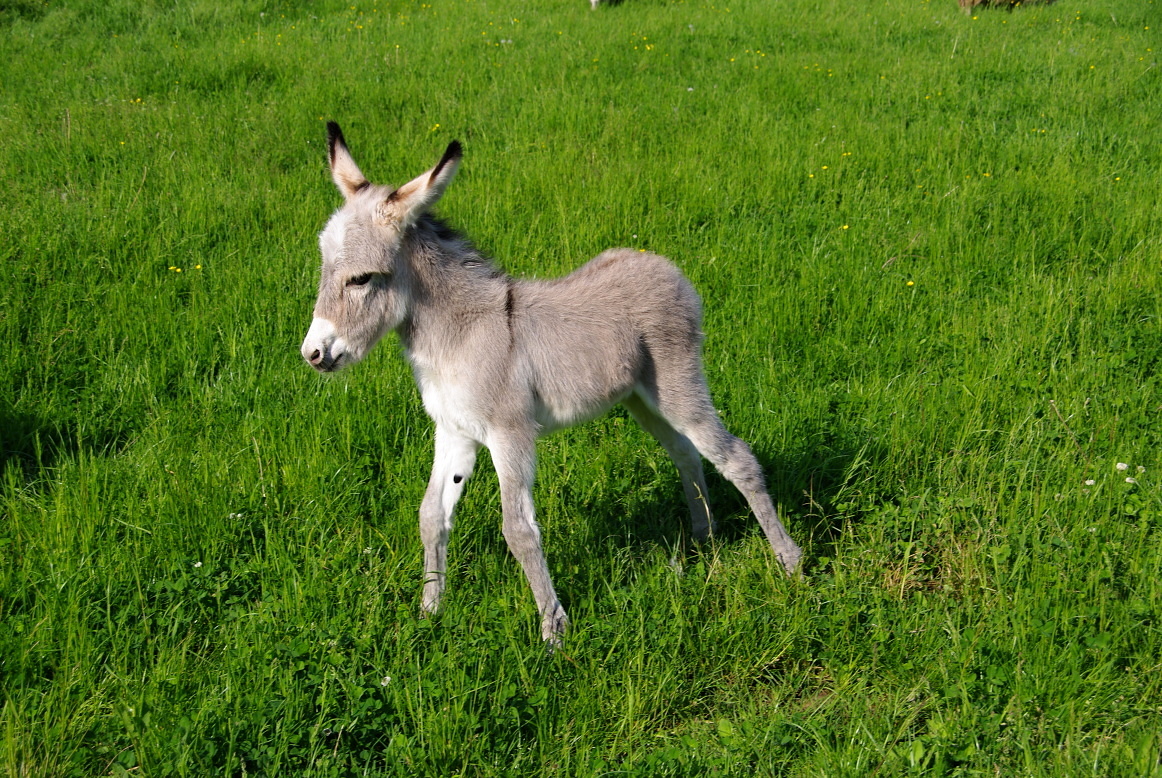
(454, 460)
(515, 460)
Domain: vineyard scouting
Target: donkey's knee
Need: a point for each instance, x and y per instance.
(434, 528)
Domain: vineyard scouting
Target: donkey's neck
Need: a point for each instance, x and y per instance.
(455, 291)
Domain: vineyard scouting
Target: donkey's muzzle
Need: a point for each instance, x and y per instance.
(322, 349)
(320, 361)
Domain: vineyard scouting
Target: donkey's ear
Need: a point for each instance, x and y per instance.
(445, 170)
(421, 193)
(344, 171)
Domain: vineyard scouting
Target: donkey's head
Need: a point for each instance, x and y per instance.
(365, 289)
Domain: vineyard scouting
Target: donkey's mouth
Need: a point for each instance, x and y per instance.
(326, 363)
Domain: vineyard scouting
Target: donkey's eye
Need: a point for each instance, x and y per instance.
(360, 280)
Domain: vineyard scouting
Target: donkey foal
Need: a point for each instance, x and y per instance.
(500, 361)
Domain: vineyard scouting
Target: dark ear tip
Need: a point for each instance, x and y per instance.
(334, 135)
(451, 154)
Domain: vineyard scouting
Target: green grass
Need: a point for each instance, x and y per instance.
(930, 250)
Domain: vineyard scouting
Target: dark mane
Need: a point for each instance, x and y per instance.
(441, 239)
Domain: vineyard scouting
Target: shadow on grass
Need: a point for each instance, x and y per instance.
(816, 490)
(33, 443)
(814, 494)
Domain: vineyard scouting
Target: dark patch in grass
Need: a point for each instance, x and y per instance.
(34, 444)
(244, 75)
(28, 10)
(818, 487)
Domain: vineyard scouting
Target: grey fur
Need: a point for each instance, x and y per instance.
(501, 361)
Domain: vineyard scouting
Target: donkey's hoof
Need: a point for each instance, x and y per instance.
(553, 627)
(705, 534)
(429, 606)
(791, 557)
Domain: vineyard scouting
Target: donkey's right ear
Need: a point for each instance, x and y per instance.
(344, 171)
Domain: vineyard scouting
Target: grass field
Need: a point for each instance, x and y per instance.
(929, 246)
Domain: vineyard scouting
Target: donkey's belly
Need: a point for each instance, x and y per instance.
(552, 416)
(575, 386)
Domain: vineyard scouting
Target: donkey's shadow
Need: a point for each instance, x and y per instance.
(635, 517)
(32, 443)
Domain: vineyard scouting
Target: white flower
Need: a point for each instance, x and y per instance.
(385, 680)
(1089, 482)
(197, 564)
(1131, 480)
(1123, 466)
(1141, 469)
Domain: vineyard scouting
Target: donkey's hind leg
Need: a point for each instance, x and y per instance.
(691, 413)
(686, 459)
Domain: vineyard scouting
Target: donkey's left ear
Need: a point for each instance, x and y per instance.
(420, 194)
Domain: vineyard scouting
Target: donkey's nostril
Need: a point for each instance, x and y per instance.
(315, 357)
